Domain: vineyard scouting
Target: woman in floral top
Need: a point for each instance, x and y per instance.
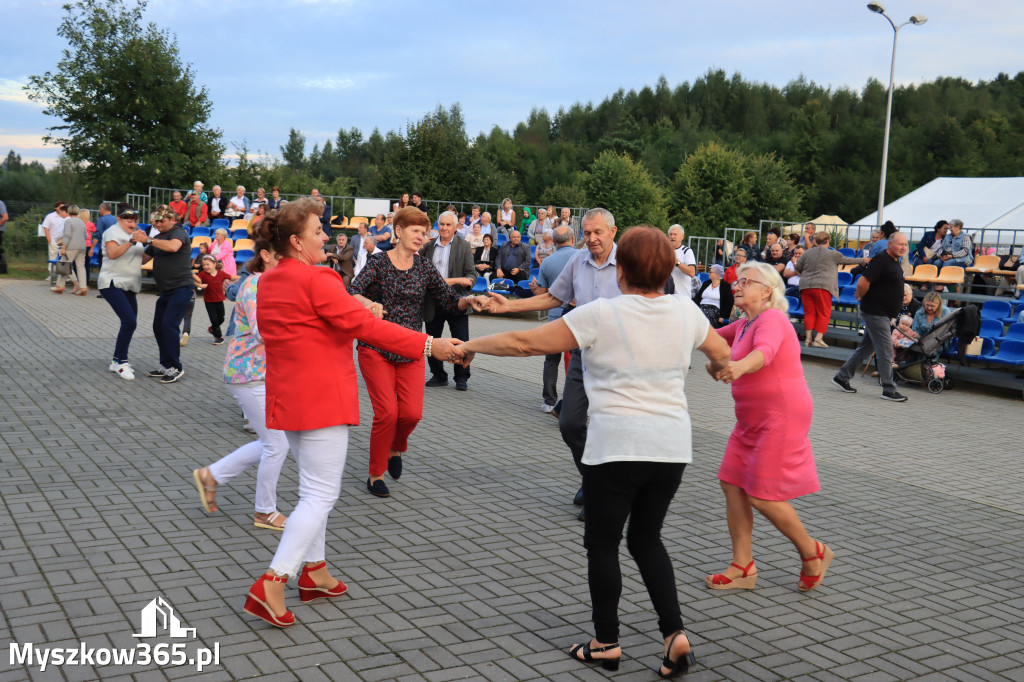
(394, 285)
(245, 370)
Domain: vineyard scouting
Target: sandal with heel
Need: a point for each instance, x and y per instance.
(719, 581)
(810, 582)
(256, 603)
(610, 664)
(682, 664)
(309, 590)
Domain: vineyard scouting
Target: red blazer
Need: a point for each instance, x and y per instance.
(308, 322)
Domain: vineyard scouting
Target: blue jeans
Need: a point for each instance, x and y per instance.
(877, 338)
(127, 309)
(170, 310)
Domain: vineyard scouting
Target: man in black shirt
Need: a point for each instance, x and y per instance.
(880, 292)
(171, 253)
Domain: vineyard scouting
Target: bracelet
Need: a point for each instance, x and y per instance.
(428, 347)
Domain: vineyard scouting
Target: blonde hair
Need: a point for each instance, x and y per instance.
(770, 276)
(84, 214)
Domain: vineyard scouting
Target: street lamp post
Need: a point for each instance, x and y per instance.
(917, 19)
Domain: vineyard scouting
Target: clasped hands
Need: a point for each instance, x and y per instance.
(726, 372)
(449, 350)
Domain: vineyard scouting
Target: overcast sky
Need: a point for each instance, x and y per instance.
(321, 65)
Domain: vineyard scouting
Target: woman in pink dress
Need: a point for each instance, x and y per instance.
(768, 460)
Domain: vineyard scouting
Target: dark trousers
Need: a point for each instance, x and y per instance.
(641, 491)
(170, 309)
(550, 391)
(458, 325)
(216, 312)
(877, 339)
(572, 419)
(186, 325)
(127, 310)
(518, 277)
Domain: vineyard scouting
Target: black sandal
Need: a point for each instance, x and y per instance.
(611, 664)
(676, 667)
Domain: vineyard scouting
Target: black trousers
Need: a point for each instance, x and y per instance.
(572, 419)
(641, 492)
(458, 325)
(552, 362)
(216, 313)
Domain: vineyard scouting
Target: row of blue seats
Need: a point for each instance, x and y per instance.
(1010, 351)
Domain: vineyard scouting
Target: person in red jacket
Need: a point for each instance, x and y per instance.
(308, 322)
(197, 211)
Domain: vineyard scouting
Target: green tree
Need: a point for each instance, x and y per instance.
(131, 111)
(711, 191)
(294, 151)
(773, 194)
(625, 188)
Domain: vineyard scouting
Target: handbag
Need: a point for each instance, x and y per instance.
(62, 266)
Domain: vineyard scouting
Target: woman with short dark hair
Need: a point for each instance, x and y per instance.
(637, 351)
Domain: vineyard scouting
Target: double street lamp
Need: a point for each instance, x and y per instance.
(917, 19)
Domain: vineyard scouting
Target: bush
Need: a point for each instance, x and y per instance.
(625, 188)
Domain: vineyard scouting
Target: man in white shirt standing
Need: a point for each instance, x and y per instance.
(53, 230)
(368, 248)
(686, 263)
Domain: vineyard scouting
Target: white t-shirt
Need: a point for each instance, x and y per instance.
(682, 281)
(636, 353)
(124, 272)
(55, 224)
(713, 295)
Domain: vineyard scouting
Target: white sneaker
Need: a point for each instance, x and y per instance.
(183, 341)
(545, 408)
(123, 369)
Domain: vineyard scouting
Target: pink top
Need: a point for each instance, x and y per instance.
(225, 253)
(769, 453)
(89, 229)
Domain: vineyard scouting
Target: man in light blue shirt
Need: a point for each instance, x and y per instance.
(589, 274)
(550, 269)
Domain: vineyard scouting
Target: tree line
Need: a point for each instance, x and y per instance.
(718, 152)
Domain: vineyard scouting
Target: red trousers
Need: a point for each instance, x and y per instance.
(817, 309)
(396, 392)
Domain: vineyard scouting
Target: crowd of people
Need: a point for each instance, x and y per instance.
(626, 314)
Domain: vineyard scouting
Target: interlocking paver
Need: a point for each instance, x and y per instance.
(474, 568)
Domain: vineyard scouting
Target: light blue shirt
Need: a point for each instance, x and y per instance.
(584, 281)
(551, 268)
(442, 256)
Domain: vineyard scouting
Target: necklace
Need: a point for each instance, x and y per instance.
(749, 322)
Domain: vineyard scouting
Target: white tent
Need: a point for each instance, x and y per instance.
(995, 205)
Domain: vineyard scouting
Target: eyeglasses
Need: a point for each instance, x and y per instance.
(742, 282)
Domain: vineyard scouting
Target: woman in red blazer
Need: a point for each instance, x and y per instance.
(308, 322)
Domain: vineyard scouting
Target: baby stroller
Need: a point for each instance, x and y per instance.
(919, 363)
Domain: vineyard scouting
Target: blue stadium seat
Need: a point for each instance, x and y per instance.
(239, 234)
(243, 255)
(1011, 352)
(848, 252)
(847, 297)
(845, 279)
(1014, 333)
(1012, 317)
(995, 310)
(703, 277)
(502, 238)
(507, 282)
(991, 328)
(795, 309)
(480, 286)
(195, 252)
(219, 223)
(199, 231)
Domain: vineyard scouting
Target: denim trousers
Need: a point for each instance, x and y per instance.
(126, 308)
(167, 317)
(641, 492)
(268, 452)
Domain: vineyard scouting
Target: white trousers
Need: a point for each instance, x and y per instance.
(269, 451)
(320, 454)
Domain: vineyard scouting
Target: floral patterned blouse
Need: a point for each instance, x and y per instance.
(403, 292)
(246, 360)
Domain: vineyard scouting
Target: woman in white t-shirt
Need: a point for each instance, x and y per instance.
(120, 279)
(507, 215)
(636, 354)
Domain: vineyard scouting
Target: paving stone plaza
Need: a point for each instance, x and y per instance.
(474, 568)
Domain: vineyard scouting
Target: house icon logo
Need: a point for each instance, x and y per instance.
(159, 614)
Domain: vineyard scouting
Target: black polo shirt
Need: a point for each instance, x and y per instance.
(885, 295)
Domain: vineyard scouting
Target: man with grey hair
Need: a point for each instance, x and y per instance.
(589, 275)
(686, 263)
(217, 203)
(453, 258)
(487, 226)
(550, 269)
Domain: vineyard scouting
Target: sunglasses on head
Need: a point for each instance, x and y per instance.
(128, 215)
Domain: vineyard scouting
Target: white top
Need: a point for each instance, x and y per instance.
(713, 295)
(361, 259)
(55, 224)
(636, 354)
(124, 272)
(682, 281)
(507, 215)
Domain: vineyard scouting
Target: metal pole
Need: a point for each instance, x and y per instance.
(888, 118)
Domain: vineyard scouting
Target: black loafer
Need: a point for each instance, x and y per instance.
(434, 382)
(582, 516)
(578, 500)
(395, 467)
(377, 488)
(461, 386)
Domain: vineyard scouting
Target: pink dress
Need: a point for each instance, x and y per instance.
(769, 454)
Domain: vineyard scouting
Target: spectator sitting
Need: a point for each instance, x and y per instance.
(475, 237)
(179, 207)
(545, 248)
(932, 310)
(882, 243)
(197, 262)
(217, 204)
(197, 212)
(930, 244)
(792, 241)
(275, 201)
(484, 257)
(487, 227)
(343, 258)
(260, 200)
(749, 245)
(238, 206)
(197, 188)
(957, 247)
(381, 233)
(257, 216)
(507, 215)
(807, 240)
(910, 305)
(1009, 262)
(535, 232)
(791, 274)
(514, 259)
(738, 259)
(904, 336)
(720, 252)
(875, 236)
(715, 300)
(770, 239)
(775, 257)
(222, 250)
